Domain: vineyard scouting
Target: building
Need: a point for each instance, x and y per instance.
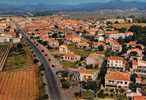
(116, 63)
(97, 45)
(135, 53)
(87, 74)
(119, 20)
(139, 98)
(63, 49)
(114, 45)
(83, 44)
(72, 37)
(115, 80)
(119, 35)
(53, 43)
(7, 38)
(139, 67)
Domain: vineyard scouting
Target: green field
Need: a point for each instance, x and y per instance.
(19, 59)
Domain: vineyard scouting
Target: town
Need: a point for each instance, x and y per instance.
(89, 60)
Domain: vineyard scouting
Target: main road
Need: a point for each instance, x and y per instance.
(54, 92)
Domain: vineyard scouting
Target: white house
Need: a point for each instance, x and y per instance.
(117, 79)
(116, 62)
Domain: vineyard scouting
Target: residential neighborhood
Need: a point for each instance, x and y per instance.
(98, 59)
(59, 57)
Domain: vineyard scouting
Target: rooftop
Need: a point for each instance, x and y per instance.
(115, 75)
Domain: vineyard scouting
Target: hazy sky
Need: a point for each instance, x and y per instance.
(56, 1)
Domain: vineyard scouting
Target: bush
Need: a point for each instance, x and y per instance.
(88, 95)
(35, 61)
(65, 84)
(101, 94)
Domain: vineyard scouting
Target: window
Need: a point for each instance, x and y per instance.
(125, 82)
(118, 82)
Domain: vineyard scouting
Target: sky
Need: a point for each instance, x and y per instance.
(55, 1)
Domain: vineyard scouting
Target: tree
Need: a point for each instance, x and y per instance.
(136, 29)
(100, 48)
(88, 95)
(19, 45)
(45, 43)
(35, 61)
(65, 84)
(101, 94)
(123, 30)
(90, 85)
(133, 77)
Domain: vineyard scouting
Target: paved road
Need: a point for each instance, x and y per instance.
(53, 88)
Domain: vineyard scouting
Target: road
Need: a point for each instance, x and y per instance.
(54, 92)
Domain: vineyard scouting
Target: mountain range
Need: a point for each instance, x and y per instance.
(115, 4)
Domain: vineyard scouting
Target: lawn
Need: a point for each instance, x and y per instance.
(68, 64)
(18, 60)
(78, 51)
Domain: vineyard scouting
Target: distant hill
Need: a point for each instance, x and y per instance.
(115, 4)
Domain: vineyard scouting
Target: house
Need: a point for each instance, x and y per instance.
(116, 80)
(71, 57)
(116, 35)
(139, 98)
(134, 94)
(87, 74)
(3, 25)
(100, 38)
(115, 20)
(7, 38)
(135, 53)
(114, 45)
(135, 44)
(83, 44)
(44, 37)
(97, 45)
(63, 49)
(139, 67)
(92, 31)
(116, 63)
(72, 37)
(53, 43)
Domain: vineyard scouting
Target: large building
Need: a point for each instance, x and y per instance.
(116, 63)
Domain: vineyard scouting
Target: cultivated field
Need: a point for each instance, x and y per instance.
(4, 51)
(19, 85)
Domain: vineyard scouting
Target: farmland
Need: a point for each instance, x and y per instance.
(19, 85)
(18, 58)
(4, 51)
(20, 79)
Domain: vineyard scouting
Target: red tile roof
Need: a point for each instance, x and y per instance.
(115, 58)
(115, 75)
(139, 98)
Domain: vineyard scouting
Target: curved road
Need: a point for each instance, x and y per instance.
(54, 92)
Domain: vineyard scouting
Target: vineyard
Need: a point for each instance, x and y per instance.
(4, 51)
(19, 85)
